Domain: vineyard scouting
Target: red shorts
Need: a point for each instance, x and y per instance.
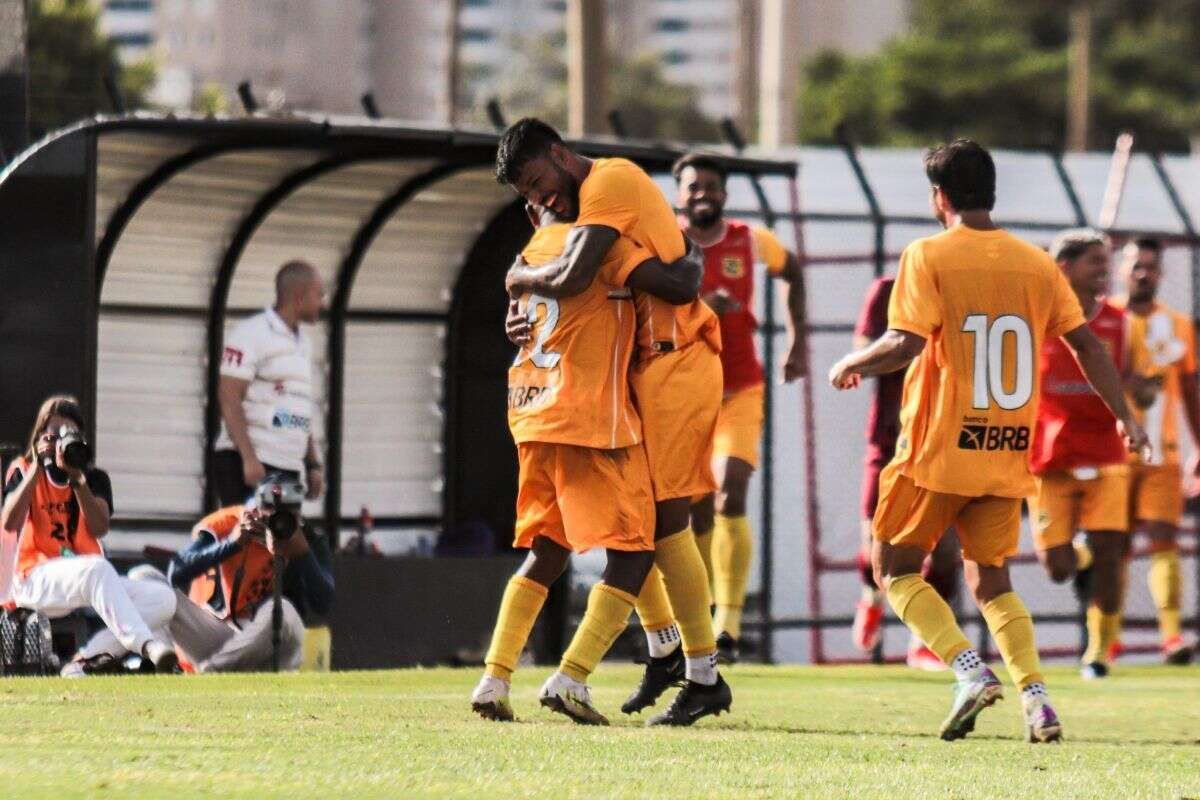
(876, 459)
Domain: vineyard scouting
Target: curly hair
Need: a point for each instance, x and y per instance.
(525, 140)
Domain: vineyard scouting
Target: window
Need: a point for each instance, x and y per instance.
(133, 39)
(476, 3)
(676, 57)
(475, 35)
(671, 25)
(130, 5)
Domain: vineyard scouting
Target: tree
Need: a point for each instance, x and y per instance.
(535, 83)
(68, 59)
(997, 70)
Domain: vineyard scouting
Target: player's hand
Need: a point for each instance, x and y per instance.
(252, 470)
(796, 366)
(534, 214)
(315, 478)
(842, 377)
(721, 301)
(516, 324)
(1135, 438)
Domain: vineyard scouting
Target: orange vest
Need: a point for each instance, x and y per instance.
(248, 577)
(55, 526)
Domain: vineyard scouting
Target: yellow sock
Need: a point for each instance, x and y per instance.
(653, 607)
(704, 545)
(519, 609)
(607, 614)
(927, 615)
(683, 573)
(732, 547)
(1164, 589)
(1102, 630)
(1011, 626)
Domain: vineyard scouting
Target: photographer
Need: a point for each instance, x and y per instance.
(233, 630)
(60, 506)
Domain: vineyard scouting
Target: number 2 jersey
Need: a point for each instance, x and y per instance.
(984, 301)
(1074, 427)
(569, 384)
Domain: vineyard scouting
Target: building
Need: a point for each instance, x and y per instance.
(130, 24)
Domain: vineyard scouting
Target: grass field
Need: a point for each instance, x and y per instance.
(794, 732)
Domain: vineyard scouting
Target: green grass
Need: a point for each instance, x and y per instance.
(794, 732)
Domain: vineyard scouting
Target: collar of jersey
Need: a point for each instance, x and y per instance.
(279, 326)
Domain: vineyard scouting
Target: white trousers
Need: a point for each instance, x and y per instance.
(213, 645)
(132, 610)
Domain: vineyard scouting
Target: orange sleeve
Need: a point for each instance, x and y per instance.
(915, 303)
(1185, 330)
(1065, 314)
(623, 258)
(612, 197)
(769, 250)
(219, 523)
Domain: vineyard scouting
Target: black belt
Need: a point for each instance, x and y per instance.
(662, 347)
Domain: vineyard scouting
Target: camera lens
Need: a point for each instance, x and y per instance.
(75, 451)
(282, 523)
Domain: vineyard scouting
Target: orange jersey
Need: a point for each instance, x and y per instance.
(620, 195)
(55, 526)
(569, 384)
(247, 578)
(1162, 347)
(985, 301)
(729, 266)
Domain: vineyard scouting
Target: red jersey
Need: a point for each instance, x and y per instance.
(1074, 428)
(729, 265)
(883, 417)
(55, 526)
(246, 579)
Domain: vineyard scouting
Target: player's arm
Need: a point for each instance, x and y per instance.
(796, 365)
(569, 274)
(678, 283)
(1101, 373)
(19, 496)
(1189, 387)
(893, 351)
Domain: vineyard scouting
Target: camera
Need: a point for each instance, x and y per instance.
(280, 499)
(76, 453)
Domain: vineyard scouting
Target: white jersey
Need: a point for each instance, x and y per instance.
(278, 403)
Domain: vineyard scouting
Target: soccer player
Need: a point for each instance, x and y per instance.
(971, 306)
(1163, 356)
(1078, 456)
(883, 428)
(731, 249)
(676, 382)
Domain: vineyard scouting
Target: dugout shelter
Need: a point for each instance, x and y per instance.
(130, 244)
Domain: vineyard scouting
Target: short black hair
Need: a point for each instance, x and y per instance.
(964, 170)
(525, 140)
(1149, 243)
(697, 160)
(1074, 242)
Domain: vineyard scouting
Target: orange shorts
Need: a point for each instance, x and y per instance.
(1156, 493)
(989, 528)
(678, 396)
(1081, 499)
(583, 497)
(740, 425)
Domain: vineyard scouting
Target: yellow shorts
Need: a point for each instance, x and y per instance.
(740, 425)
(1070, 500)
(678, 396)
(1156, 493)
(583, 497)
(989, 528)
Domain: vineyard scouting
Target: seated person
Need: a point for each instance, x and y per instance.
(59, 505)
(224, 623)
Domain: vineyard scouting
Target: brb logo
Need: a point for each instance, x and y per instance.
(288, 420)
(993, 437)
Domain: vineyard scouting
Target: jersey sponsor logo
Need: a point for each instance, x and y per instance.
(233, 357)
(521, 397)
(733, 266)
(991, 438)
(289, 421)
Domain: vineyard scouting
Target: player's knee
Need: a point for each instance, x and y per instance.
(95, 570)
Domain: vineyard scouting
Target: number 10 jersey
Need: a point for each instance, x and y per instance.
(569, 384)
(985, 301)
